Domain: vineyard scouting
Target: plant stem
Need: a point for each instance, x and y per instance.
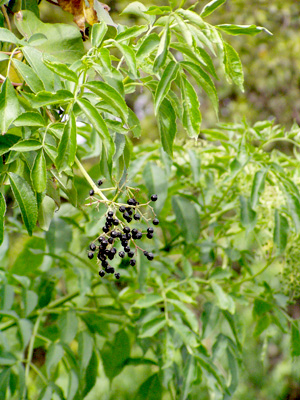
(90, 180)
(250, 278)
(31, 347)
(6, 17)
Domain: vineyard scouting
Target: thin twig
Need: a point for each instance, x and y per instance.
(6, 17)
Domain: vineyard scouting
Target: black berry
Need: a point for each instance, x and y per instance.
(92, 192)
(155, 221)
(93, 246)
(115, 221)
(113, 234)
(100, 182)
(110, 214)
(137, 216)
(154, 197)
(110, 270)
(90, 255)
(105, 229)
(129, 210)
(132, 262)
(127, 249)
(117, 275)
(130, 254)
(102, 273)
(131, 202)
(150, 256)
(126, 229)
(104, 263)
(129, 219)
(113, 250)
(146, 253)
(100, 238)
(110, 240)
(134, 231)
(126, 215)
(122, 209)
(128, 236)
(149, 235)
(121, 254)
(139, 235)
(150, 230)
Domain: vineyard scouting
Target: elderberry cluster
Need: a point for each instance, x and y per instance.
(116, 229)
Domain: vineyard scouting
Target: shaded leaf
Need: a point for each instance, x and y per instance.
(39, 172)
(26, 200)
(9, 105)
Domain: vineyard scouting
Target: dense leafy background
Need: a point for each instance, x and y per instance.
(216, 312)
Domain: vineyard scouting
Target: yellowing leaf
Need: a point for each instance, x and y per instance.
(82, 13)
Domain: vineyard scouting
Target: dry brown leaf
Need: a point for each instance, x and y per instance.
(82, 10)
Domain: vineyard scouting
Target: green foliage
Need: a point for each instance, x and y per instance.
(228, 204)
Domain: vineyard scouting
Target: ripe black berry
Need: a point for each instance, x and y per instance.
(104, 243)
(92, 192)
(117, 275)
(132, 262)
(146, 253)
(154, 197)
(139, 235)
(130, 254)
(155, 221)
(122, 209)
(105, 229)
(131, 202)
(150, 230)
(110, 214)
(110, 240)
(129, 210)
(113, 250)
(110, 270)
(126, 215)
(113, 234)
(134, 231)
(137, 216)
(128, 236)
(102, 273)
(127, 249)
(115, 221)
(110, 256)
(90, 255)
(150, 256)
(104, 263)
(126, 229)
(100, 182)
(100, 238)
(129, 219)
(149, 235)
(93, 246)
(121, 254)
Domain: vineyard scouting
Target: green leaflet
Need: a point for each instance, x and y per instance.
(68, 144)
(9, 105)
(163, 48)
(25, 199)
(233, 66)
(62, 70)
(281, 229)
(211, 7)
(242, 29)
(98, 123)
(164, 85)
(191, 114)
(29, 76)
(29, 118)
(111, 96)
(166, 119)
(39, 172)
(204, 81)
(98, 33)
(45, 98)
